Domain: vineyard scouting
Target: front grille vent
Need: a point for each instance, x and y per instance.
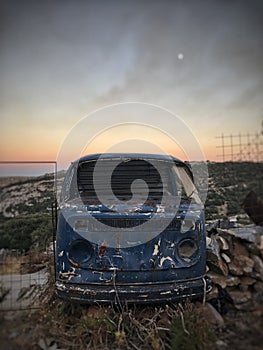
(113, 224)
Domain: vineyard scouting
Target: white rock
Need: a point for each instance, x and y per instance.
(226, 258)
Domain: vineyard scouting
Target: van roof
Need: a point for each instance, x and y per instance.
(130, 156)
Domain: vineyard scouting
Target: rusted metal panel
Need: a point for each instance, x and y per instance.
(136, 293)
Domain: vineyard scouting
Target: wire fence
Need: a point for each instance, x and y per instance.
(27, 229)
(237, 177)
(241, 147)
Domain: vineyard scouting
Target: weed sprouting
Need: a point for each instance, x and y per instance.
(164, 327)
(189, 330)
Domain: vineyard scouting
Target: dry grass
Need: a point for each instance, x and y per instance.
(74, 326)
(30, 263)
(10, 265)
(65, 325)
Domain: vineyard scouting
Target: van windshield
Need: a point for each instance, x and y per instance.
(132, 181)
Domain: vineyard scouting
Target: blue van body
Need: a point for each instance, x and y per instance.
(163, 262)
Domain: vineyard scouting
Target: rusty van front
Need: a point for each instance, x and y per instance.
(131, 229)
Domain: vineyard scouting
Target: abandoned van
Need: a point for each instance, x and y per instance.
(130, 229)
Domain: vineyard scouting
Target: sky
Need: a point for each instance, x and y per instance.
(61, 60)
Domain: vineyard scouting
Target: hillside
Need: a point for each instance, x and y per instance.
(228, 185)
(27, 195)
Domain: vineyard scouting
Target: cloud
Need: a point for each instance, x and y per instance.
(223, 54)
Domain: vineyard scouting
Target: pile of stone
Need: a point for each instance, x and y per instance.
(235, 265)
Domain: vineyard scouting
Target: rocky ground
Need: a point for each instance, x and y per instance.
(235, 266)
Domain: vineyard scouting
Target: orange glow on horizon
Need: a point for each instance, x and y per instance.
(122, 138)
(133, 139)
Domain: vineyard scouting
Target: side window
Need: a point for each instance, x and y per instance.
(70, 188)
(186, 188)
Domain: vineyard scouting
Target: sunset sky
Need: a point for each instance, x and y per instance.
(60, 61)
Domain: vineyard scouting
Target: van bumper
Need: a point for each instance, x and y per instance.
(155, 292)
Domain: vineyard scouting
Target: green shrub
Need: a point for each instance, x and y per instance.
(25, 232)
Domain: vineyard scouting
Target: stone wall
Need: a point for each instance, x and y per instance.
(235, 266)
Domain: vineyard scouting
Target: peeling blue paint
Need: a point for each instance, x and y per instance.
(169, 266)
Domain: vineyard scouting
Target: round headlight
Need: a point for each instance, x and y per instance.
(187, 249)
(80, 252)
